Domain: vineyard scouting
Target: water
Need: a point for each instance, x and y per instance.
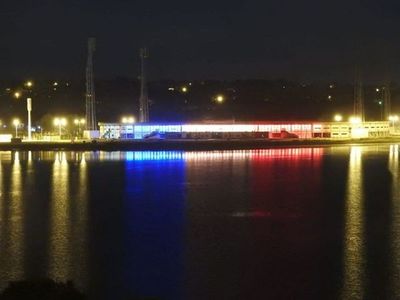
(271, 224)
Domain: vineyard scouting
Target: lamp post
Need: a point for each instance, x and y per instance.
(393, 120)
(130, 120)
(28, 87)
(29, 109)
(338, 118)
(79, 122)
(41, 131)
(16, 124)
(380, 103)
(60, 122)
(355, 120)
(220, 99)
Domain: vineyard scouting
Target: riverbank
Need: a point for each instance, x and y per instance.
(186, 145)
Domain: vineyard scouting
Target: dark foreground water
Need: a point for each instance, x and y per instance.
(319, 223)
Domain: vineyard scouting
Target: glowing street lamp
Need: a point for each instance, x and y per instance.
(60, 122)
(380, 103)
(338, 118)
(355, 120)
(184, 89)
(220, 98)
(29, 110)
(16, 123)
(393, 119)
(79, 122)
(28, 85)
(128, 120)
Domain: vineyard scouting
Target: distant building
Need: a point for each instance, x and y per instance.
(271, 130)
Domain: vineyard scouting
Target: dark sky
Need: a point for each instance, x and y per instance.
(220, 39)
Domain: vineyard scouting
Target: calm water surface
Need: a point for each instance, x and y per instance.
(320, 223)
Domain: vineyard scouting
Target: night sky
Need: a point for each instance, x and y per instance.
(220, 39)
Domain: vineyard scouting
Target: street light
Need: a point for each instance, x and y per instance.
(29, 109)
(220, 98)
(393, 119)
(17, 95)
(380, 103)
(60, 122)
(79, 122)
(29, 85)
(338, 118)
(128, 120)
(355, 120)
(16, 123)
(41, 130)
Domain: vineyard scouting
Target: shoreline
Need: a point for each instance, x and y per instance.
(188, 145)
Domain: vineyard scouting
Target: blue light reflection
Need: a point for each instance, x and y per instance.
(154, 221)
(153, 155)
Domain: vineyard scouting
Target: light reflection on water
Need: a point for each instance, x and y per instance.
(354, 251)
(78, 226)
(394, 168)
(167, 194)
(16, 219)
(283, 154)
(59, 214)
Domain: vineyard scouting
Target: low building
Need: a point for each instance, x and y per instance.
(271, 130)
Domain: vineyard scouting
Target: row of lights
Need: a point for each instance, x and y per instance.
(356, 120)
(56, 122)
(59, 122)
(352, 119)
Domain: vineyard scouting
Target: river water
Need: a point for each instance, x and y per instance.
(319, 223)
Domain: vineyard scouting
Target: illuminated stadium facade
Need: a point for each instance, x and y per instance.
(269, 130)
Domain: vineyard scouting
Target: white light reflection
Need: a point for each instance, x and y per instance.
(78, 243)
(354, 252)
(58, 253)
(395, 236)
(29, 157)
(16, 220)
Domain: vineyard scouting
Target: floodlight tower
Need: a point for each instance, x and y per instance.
(144, 98)
(90, 93)
(358, 97)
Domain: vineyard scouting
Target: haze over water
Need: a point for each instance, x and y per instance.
(280, 223)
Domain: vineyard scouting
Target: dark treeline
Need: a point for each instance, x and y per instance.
(175, 101)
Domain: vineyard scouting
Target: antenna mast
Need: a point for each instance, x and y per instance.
(144, 98)
(90, 93)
